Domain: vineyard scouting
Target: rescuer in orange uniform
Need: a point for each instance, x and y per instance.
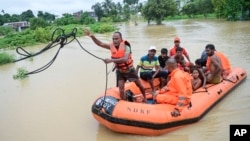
(173, 51)
(121, 55)
(178, 91)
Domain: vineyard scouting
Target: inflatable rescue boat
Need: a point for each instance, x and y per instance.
(134, 117)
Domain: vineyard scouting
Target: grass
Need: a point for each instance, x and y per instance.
(179, 17)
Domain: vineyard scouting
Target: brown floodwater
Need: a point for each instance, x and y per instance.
(55, 105)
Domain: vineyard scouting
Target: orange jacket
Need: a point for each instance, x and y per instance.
(180, 86)
(224, 61)
(119, 53)
(172, 51)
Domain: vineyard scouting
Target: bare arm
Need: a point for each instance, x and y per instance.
(157, 68)
(196, 85)
(96, 41)
(204, 78)
(187, 56)
(137, 69)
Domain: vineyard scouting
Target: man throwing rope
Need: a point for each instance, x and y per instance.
(121, 55)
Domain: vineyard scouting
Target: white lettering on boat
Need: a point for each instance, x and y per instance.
(138, 110)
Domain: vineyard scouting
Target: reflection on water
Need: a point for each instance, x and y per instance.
(56, 103)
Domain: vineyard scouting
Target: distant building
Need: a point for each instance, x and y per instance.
(78, 14)
(18, 26)
(93, 15)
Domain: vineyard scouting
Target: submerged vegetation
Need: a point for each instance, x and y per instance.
(21, 73)
(6, 58)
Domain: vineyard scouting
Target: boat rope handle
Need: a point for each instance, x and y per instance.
(224, 79)
(237, 79)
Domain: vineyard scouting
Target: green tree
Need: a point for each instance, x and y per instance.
(195, 7)
(133, 5)
(205, 7)
(40, 14)
(49, 16)
(6, 18)
(86, 19)
(66, 20)
(119, 8)
(190, 9)
(37, 22)
(46, 16)
(219, 7)
(245, 13)
(26, 15)
(126, 12)
(15, 18)
(98, 10)
(232, 9)
(159, 9)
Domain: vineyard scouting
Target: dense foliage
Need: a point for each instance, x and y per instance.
(159, 9)
(117, 11)
(4, 30)
(232, 9)
(198, 7)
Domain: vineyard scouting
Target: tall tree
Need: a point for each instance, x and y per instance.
(26, 15)
(133, 5)
(232, 9)
(15, 18)
(159, 9)
(49, 16)
(98, 10)
(86, 19)
(198, 7)
(40, 14)
(6, 18)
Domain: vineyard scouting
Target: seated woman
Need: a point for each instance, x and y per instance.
(199, 79)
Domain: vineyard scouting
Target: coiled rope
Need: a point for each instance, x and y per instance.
(59, 38)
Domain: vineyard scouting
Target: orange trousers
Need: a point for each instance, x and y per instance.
(169, 99)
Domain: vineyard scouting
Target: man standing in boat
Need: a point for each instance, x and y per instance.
(121, 55)
(178, 91)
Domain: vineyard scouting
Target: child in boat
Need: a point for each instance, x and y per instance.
(197, 79)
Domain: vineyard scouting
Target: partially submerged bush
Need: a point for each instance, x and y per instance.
(102, 27)
(21, 73)
(6, 58)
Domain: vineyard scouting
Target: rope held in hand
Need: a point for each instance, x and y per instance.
(58, 38)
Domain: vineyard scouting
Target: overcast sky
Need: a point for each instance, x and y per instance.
(57, 7)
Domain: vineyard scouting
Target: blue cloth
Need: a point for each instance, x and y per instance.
(204, 56)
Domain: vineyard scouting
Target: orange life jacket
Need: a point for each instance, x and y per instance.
(224, 61)
(117, 53)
